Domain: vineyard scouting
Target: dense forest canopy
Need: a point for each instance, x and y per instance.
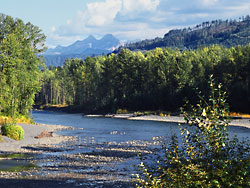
(19, 65)
(161, 79)
(227, 33)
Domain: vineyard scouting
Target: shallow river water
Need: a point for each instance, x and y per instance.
(104, 151)
(99, 130)
(102, 130)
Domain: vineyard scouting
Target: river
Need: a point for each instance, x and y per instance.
(99, 129)
(104, 151)
(106, 147)
(102, 130)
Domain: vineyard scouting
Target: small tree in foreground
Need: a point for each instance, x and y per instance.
(206, 156)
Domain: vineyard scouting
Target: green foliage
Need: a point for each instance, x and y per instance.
(206, 156)
(228, 33)
(21, 168)
(161, 79)
(20, 65)
(122, 111)
(15, 156)
(13, 131)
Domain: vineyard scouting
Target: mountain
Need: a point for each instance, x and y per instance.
(227, 33)
(81, 49)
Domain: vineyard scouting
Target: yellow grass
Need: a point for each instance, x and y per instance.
(21, 119)
(5, 119)
(239, 114)
(57, 105)
(24, 119)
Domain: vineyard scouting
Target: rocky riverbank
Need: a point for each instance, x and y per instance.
(243, 122)
(236, 121)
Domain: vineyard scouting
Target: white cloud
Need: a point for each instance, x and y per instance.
(140, 19)
(209, 2)
(140, 31)
(53, 29)
(102, 13)
(68, 22)
(139, 5)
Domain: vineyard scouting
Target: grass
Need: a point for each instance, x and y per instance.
(21, 119)
(52, 106)
(158, 112)
(237, 114)
(16, 166)
(22, 168)
(15, 156)
(5, 120)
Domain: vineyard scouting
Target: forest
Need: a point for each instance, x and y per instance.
(160, 79)
(227, 33)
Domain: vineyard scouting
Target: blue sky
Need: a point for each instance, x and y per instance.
(65, 21)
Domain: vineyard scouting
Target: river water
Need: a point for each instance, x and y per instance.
(99, 129)
(105, 150)
(102, 130)
(106, 146)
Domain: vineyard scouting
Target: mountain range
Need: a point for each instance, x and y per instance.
(227, 33)
(81, 49)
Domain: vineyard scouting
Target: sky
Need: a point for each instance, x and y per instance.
(65, 21)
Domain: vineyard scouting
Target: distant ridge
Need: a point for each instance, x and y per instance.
(227, 33)
(81, 49)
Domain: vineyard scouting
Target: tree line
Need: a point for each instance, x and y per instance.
(20, 67)
(160, 79)
(227, 33)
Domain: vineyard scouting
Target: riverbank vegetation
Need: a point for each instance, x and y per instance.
(160, 79)
(204, 155)
(13, 131)
(19, 65)
(20, 72)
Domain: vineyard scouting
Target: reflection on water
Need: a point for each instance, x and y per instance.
(14, 165)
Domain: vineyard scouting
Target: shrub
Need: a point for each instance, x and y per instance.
(13, 131)
(19, 119)
(206, 156)
(122, 111)
(24, 119)
(5, 120)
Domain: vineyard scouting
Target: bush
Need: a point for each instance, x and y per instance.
(24, 119)
(13, 131)
(19, 119)
(5, 120)
(122, 111)
(206, 156)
